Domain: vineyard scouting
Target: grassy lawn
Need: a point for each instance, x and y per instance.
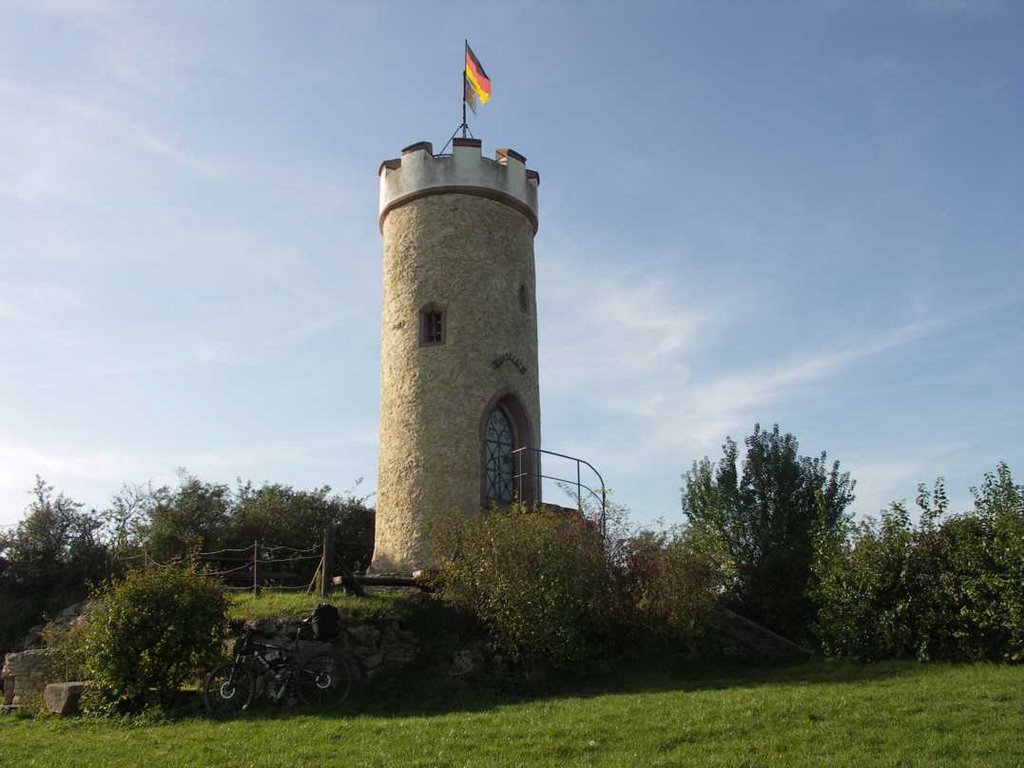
(813, 714)
(272, 605)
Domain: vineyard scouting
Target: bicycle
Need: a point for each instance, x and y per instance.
(321, 680)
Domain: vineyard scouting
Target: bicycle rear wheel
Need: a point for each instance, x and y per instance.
(323, 680)
(228, 690)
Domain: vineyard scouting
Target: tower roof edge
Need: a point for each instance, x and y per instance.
(418, 173)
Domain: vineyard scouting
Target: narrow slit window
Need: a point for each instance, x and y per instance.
(431, 326)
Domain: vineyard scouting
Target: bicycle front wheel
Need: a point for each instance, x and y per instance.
(228, 690)
(323, 680)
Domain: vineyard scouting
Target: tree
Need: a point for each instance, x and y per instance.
(193, 516)
(48, 561)
(763, 523)
(281, 515)
(127, 517)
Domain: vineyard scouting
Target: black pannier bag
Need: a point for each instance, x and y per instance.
(326, 622)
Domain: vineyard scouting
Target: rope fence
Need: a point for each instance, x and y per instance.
(253, 568)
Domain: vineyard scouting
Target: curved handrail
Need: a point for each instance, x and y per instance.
(580, 486)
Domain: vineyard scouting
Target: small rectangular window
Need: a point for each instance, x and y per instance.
(431, 327)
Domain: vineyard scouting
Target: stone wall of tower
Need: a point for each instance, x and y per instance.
(469, 252)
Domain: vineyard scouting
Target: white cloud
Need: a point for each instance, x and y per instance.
(881, 480)
(59, 147)
(631, 359)
(31, 301)
(609, 327)
(71, 469)
(729, 401)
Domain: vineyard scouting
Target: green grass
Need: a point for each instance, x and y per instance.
(276, 605)
(814, 714)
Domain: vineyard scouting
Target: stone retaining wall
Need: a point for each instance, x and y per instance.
(374, 646)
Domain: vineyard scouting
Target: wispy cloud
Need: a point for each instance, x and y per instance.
(68, 467)
(609, 327)
(635, 360)
(884, 479)
(32, 301)
(726, 402)
(60, 148)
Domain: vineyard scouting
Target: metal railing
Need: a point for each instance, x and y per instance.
(581, 487)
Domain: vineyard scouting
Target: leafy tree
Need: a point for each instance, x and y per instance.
(281, 515)
(126, 519)
(48, 561)
(193, 516)
(762, 521)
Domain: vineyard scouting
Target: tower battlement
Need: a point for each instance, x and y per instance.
(419, 173)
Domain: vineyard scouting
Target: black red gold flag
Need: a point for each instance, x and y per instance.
(478, 85)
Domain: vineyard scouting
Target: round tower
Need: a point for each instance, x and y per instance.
(459, 382)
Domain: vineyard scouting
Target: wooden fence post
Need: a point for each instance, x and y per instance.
(255, 567)
(327, 575)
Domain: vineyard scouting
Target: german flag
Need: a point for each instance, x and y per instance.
(478, 85)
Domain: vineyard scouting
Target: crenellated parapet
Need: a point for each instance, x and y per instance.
(419, 173)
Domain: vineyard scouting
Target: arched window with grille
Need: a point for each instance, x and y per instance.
(508, 473)
(499, 440)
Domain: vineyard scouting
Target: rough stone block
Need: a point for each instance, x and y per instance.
(64, 699)
(29, 670)
(395, 634)
(364, 634)
(400, 654)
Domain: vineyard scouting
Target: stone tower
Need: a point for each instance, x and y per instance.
(459, 382)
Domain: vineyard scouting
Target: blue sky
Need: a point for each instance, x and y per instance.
(807, 213)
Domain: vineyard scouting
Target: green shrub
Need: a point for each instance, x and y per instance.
(537, 579)
(862, 589)
(550, 588)
(155, 630)
(947, 588)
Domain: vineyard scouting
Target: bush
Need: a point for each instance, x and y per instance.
(67, 646)
(943, 589)
(537, 579)
(672, 585)
(155, 630)
(550, 588)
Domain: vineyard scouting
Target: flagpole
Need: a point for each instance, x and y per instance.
(465, 127)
